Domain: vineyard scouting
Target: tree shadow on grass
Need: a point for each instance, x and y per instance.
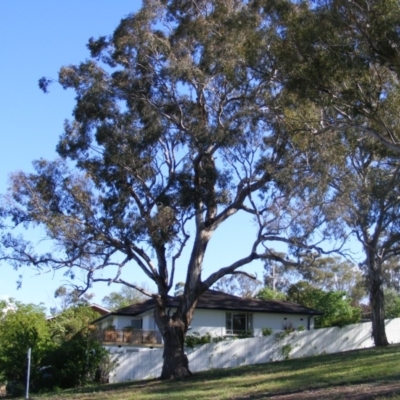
(265, 380)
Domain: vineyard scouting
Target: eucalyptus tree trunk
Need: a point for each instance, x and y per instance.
(176, 363)
(377, 302)
(173, 330)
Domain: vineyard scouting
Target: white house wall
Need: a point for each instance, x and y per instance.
(277, 322)
(213, 322)
(148, 321)
(208, 321)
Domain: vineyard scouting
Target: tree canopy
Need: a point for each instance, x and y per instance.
(123, 298)
(22, 326)
(335, 305)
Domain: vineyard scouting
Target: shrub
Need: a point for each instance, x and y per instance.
(301, 328)
(266, 331)
(288, 327)
(195, 339)
(285, 351)
(245, 334)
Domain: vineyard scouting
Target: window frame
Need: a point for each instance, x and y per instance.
(135, 320)
(230, 328)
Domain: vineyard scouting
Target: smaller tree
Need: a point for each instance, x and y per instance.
(267, 293)
(76, 355)
(22, 326)
(325, 273)
(280, 275)
(239, 284)
(335, 305)
(70, 297)
(392, 303)
(391, 273)
(124, 297)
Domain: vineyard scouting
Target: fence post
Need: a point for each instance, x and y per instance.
(28, 373)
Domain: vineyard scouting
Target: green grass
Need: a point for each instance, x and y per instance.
(380, 366)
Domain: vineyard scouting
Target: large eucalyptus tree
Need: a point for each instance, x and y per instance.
(177, 127)
(364, 204)
(368, 195)
(340, 61)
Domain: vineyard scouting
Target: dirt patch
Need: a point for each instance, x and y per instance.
(367, 391)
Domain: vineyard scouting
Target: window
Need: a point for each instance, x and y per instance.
(238, 323)
(136, 323)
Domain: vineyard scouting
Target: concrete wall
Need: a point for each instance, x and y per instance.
(143, 363)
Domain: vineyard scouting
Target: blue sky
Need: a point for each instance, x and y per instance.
(38, 38)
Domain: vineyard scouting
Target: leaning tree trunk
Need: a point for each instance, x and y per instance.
(377, 302)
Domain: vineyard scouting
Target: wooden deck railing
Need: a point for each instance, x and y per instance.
(129, 336)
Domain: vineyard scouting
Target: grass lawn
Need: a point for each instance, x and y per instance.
(361, 374)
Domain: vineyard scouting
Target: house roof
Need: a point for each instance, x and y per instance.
(214, 300)
(100, 309)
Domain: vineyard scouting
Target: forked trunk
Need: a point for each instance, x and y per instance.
(176, 363)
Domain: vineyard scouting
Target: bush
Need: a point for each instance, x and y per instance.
(195, 339)
(266, 331)
(75, 362)
(22, 327)
(270, 294)
(301, 328)
(245, 334)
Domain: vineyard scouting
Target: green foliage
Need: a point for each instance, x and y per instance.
(75, 361)
(301, 328)
(124, 297)
(70, 297)
(77, 356)
(288, 327)
(286, 350)
(72, 321)
(196, 339)
(238, 284)
(266, 331)
(269, 294)
(64, 354)
(281, 335)
(22, 327)
(245, 334)
(336, 306)
(392, 303)
(337, 310)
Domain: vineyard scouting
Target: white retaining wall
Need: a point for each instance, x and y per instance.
(144, 363)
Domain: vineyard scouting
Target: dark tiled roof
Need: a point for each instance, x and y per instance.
(214, 300)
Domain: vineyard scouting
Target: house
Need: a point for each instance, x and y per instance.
(217, 313)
